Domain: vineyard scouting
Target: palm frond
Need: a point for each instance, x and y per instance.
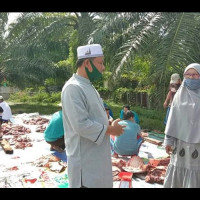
(36, 41)
(137, 34)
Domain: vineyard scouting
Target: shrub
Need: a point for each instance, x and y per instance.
(40, 96)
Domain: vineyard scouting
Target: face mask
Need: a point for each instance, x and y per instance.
(95, 74)
(192, 84)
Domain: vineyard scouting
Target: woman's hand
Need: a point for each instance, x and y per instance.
(165, 105)
(168, 149)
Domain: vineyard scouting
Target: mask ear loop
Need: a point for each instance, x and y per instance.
(91, 63)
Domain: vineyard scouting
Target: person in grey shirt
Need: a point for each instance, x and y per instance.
(87, 132)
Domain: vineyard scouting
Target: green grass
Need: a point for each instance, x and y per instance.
(41, 108)
(149, 119)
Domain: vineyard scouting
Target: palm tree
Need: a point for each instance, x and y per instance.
(169, 40)
(35, 43)
(3, 22)
(38, 41)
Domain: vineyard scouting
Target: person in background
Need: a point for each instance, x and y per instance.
(7, 114)
(129, 143)
(182, 138)
(87, 130)
(125, 109)
(54, 132)
(110, 119)
(110, 111)
(175, 83)
(4, 82)
(1, 111)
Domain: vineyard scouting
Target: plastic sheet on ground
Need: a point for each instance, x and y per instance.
(17, 170)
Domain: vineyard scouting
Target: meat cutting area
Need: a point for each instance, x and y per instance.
(27, 162)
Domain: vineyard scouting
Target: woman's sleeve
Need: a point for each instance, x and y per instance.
(169, 140)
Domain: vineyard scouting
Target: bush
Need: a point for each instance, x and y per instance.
(21, 96)
(152, 124)
(41, 108)
(40, 96)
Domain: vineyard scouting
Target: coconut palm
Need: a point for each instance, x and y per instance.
(37, 41)
(169, 40)
(33, 46)
(3, 22)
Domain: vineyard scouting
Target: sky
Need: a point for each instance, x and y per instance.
(12, 16)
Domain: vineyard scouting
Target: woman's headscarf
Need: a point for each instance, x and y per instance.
(184, 117)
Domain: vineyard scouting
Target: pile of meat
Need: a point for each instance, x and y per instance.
(155, 169)
(40, 121)
(21, 142)
(19, 135)
(36, 121)
(117, 165)
(10, 129)
(41, 128)
(134, 164)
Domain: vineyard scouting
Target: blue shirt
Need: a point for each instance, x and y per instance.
(55, 129)
(126, 144)
(136, 117)
(110, 111)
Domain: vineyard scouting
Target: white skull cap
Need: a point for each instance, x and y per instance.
(89, 51)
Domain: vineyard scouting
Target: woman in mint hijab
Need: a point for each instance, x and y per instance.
(182, 133)
(54, 132)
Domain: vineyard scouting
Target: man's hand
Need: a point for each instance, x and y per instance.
(115, 122)
(116, 129)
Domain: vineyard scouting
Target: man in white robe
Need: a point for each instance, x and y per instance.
(7, 113)
(87, 132)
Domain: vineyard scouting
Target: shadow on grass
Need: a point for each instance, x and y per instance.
(42, 109)
(149, 119)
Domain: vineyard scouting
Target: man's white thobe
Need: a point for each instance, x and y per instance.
(87, 144)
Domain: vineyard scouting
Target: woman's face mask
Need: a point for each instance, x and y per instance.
(192, 84)
(95, 74)
(192, 79)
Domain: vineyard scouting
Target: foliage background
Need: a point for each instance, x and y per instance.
(141, 51)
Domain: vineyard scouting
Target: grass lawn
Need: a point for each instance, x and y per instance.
(149, 119)
(42, 109)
